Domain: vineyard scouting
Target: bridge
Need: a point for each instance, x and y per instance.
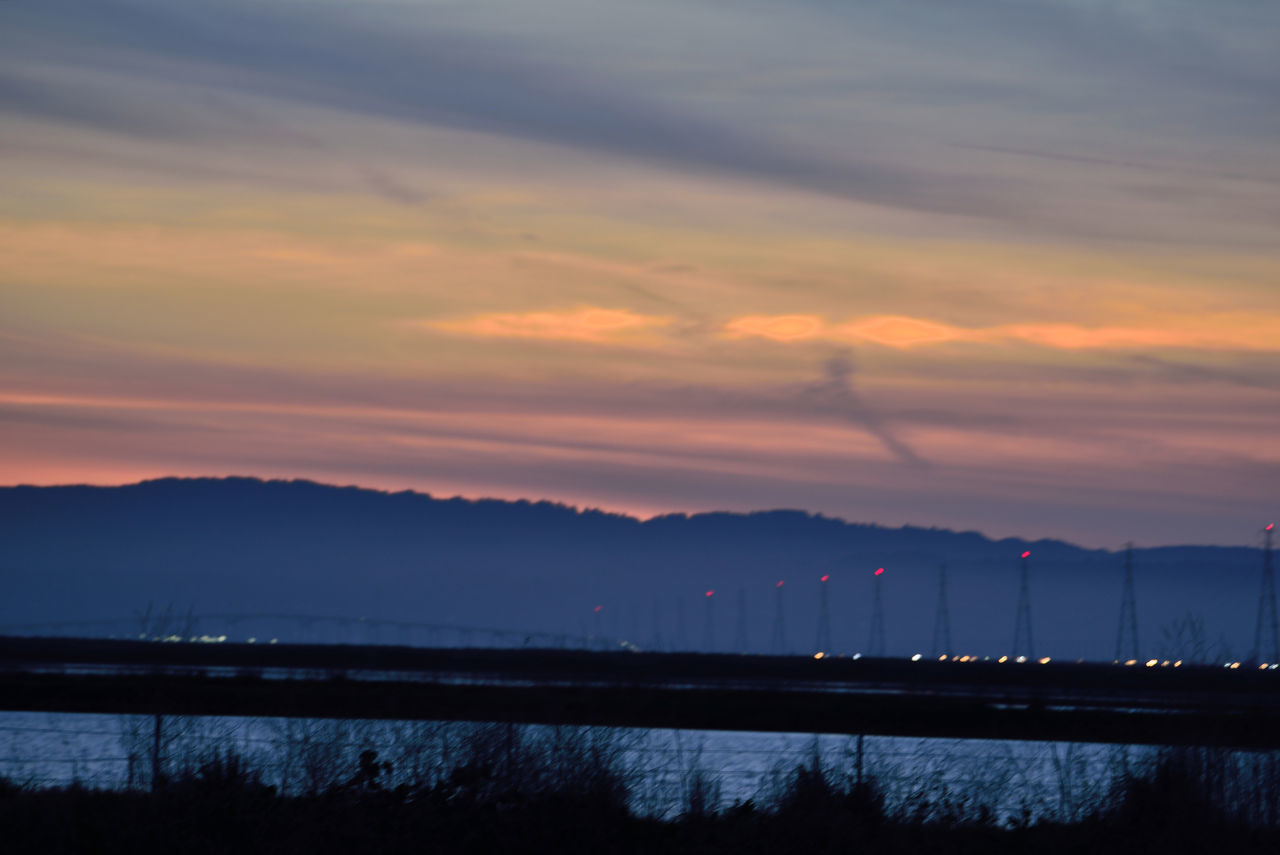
(307, 628)
(1157, 705)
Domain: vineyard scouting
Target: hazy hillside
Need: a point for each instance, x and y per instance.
(248, 546)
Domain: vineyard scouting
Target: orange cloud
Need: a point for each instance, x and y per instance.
(776, 327)
(586, 324)
(902, 332)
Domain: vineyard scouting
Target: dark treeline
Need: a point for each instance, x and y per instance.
(513, 789)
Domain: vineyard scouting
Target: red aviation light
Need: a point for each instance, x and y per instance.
(597, 608)
(710, 593)
(1027, 554)
(880, 571)
(779, 585)
(1270, 526)
(825, 578)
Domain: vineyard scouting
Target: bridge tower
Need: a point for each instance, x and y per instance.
(709, 627)
(1267, 622)
(778, 644)
(875, 644)
(942, 617)
(824, 616)
(740, 631)
(1022, 643)
(1127, 633)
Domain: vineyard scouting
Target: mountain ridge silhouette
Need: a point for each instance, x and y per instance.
(244, 544)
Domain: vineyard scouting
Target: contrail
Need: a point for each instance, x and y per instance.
(836, 393)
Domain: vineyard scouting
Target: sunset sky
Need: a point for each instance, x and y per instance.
(1007, 265)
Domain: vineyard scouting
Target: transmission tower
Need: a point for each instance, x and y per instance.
(656, 642)
(1267, 608)
(1022, 643)
(709, 628)
(682, 637)
(740, 632)
(824, 616)
(875, 645)
(942, 618)
(778, 644)
(1128, 630)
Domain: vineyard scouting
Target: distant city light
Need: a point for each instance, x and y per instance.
(1003, 659)
(1021, 659)
(917, 657)
(1131, 662)
(1151, 663)
(819, 655)
(1044, 660)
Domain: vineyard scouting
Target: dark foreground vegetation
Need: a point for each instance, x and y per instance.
(573, 793)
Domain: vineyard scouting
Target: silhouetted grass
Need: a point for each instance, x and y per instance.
(565, 790)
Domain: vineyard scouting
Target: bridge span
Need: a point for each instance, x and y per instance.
(1190, 705)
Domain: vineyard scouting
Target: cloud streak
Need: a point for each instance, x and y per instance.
(589, 324)
(1225, 332)
(149, 69)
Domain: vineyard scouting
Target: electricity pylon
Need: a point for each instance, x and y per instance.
(778, 644)
(875, 644)
(709, 628)
(1128, 629)
(1267, 608)
(1022, 642)
(824, 616)
(942, 617)
(740, 633)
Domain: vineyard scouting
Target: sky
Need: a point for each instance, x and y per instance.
(1004, 265)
